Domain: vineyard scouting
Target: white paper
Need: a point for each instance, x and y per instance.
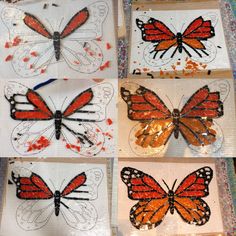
(175, 94)
(99, 126)
(171, 223)
(142, 60)
(57, 176)
(88, 52)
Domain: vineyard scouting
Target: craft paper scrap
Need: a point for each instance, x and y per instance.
(162, 198)
(59, 198)
(177, 118)
(67, 39)
(188, 41)
(58, 118)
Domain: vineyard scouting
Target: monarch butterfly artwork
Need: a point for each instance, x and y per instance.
(75, 126)
(164, 44)
(72, 203)
(154, 202)
(156, 123)
(37, 43)
(156, 31)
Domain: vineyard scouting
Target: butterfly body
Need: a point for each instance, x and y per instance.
(57, 45)
(171, 200)
(57, 202)
(176, 117)
(58, 122)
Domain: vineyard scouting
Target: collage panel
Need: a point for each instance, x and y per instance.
(117, 118)
(67, 39)
(63, 197)
(159, 197)
(58, 118)
(177, 40)
(175, 118)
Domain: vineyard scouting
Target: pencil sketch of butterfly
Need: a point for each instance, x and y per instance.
(76, 125)
(40, 202)
(164, 44)
(40, 47)
(154, 202)
(195, 121)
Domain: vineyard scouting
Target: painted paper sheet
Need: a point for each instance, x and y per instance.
(187, 41)
(58, 198)
(67, 40)
(63, 118)
(150, 212)
(177, 118)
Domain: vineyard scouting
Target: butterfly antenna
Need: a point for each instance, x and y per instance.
(52, 102)
(63, 103)
(174, 28)
(180, 101)
(61, 22)
(61, 184)
(173, 185)
(166, 184)
(170, 102)
(52, 184)
(182, 27)
(49, 23)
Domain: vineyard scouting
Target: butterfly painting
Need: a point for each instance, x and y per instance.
(180, 43)
(163, 39)
(40, 203)
(41, 124)
(156, 123)
(154, 202)
(37, 45)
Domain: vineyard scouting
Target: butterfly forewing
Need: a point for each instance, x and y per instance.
(141, 186)
(196, 184)
(30, 185)
(143, 104)
(75, 22)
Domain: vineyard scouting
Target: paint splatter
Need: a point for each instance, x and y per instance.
(9, 58)
(40, 144)
(105, 65)
(109, 121)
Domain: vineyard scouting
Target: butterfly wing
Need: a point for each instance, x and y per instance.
(143, 104)
(153, 200)
(78, 50)
(156, 123)
(33, 213)
(197, 117)
(188, 202)
(81, 133)
(162, 40)
(79, 213)
(195, 40)
(34, 134)
(26, 104)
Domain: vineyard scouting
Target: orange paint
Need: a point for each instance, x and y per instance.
(40, 144)
(105, 65)
(43, 71)
(34, 54)
(9, 58)
(99, 39)
(109, 121)
(108, 46)
(8, 44)
(26, 59)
